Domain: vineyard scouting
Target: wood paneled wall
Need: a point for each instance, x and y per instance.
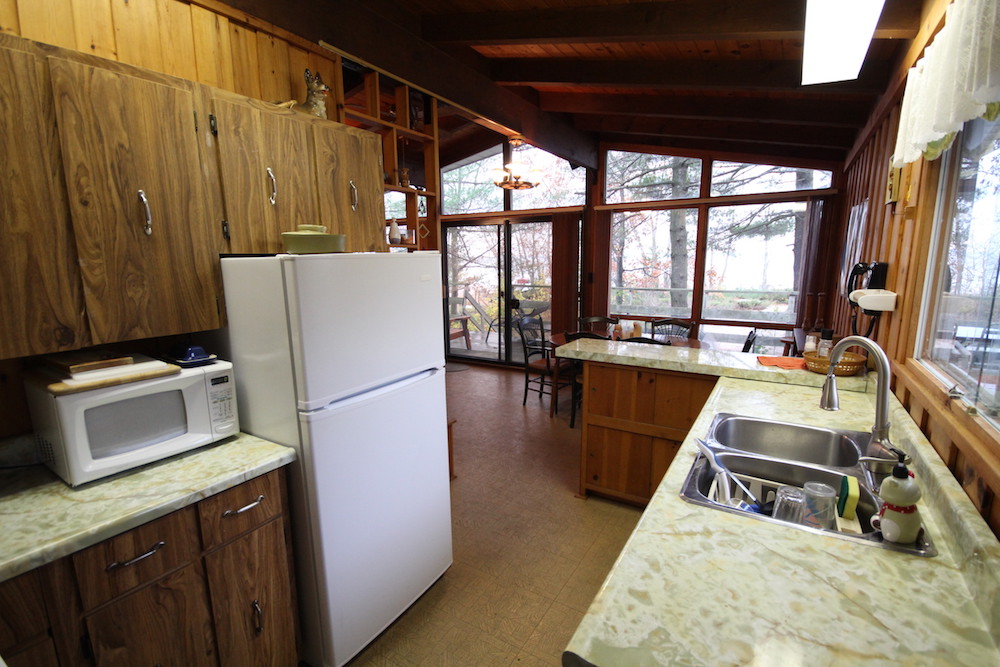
(201, 40)
(900, 233)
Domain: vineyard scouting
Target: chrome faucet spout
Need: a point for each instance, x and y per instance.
(879, 445)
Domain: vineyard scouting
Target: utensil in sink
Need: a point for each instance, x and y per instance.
(723, 472)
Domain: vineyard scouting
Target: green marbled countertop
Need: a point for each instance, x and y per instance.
(706, 361)
(697, 586)
(43, 518)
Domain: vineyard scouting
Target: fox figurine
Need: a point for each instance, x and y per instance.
(316, 92)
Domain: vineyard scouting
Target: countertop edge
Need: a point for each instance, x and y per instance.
(57, 520)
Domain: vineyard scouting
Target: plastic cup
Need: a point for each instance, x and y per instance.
(820, 506)
(789, 504)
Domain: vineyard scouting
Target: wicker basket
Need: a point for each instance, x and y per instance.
(850, 363)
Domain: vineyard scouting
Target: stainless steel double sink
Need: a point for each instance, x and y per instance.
(766, 454)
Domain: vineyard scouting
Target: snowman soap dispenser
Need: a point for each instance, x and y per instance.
(899, 519)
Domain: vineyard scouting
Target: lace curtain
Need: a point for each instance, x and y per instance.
(957, 79)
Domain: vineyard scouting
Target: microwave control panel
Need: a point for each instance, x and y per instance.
(222, 400)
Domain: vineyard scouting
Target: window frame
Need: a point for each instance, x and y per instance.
(706, 201)
(948, 183)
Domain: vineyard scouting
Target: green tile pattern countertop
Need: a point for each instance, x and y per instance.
(706, 361)
(697, 586)
(44, 519)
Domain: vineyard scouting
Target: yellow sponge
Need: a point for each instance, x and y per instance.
(847, 501)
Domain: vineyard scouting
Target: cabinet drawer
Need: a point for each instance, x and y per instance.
(119, 564)
(22, 611)
(241, 508)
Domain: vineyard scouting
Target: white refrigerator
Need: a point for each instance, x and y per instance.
(341, 356)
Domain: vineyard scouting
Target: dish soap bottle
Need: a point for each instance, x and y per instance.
(636, 330)
(616, 333)
(899, 519)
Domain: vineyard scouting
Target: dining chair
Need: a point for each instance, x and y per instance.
(543, 372)
(577, 372)
(670, 326)
(591, 322)
(645, 339)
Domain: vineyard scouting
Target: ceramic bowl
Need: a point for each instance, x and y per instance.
(308, 242)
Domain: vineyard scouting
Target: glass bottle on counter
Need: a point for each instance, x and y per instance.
(825, 343)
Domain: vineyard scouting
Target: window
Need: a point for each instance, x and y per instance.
(649, 177)
(561, 186)
(752, 251)
(468, 185)
(652, 262)
(752, 263)
(741, 178)
(962, 336)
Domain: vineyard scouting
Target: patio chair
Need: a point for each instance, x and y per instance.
(669, 326)
(543, 372)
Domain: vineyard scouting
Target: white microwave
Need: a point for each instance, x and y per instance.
(100, 432)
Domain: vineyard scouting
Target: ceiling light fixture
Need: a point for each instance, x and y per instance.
(516, 175)
(837, 36)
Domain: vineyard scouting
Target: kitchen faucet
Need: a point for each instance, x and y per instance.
(879, 446)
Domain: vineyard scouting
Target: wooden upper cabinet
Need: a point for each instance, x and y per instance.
(41, 296)
(349, 183)
(266, 163)
(143, 235)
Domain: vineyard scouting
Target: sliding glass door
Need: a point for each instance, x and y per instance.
(496, 271)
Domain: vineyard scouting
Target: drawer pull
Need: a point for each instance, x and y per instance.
(258, 618)
(241, 510)
(118, 564)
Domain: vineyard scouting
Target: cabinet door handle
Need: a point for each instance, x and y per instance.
(119, 564)
(245, 508)
(354, 196)
(274, 187)
(258, 618)
(148, 226)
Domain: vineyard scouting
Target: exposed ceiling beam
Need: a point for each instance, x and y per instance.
(836, 113)
(782, 75)
(353, 29)
(761, 133)
(688, 20)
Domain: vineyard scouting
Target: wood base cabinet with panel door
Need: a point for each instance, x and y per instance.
(41, 296)
(247, 558)
(634, 421)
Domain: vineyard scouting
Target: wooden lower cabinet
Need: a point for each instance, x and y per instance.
(634, 420)
(165, 623)
(210, 584)
(251, 595)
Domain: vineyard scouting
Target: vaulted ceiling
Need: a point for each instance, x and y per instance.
(720, 75)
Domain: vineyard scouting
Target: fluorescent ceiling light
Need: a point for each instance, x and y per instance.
(838, 33)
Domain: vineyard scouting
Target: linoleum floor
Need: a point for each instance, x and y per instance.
(529, 555)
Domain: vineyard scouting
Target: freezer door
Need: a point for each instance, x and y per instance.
(379, 496)
(361, 320)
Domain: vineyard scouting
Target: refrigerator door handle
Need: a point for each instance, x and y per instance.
(373, 394)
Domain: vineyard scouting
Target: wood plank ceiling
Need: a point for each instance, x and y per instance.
(699, 74)
(719, 75)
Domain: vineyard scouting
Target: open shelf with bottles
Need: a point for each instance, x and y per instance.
(406, 120)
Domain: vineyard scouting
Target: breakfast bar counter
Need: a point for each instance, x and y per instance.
(699, 586)
(44, 519)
